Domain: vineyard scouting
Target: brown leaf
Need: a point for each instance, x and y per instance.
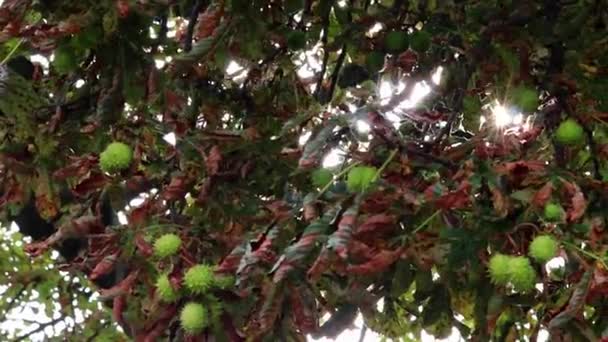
(304, 307)
(599, 284)
(380, 262)
(176, 190)
(119, 304)
(173, 101)
(77, 168)
(208, 21)
(93, 183)
(596, 233)
(500, 202)
(139, 215)
(48, 207)
(376, 225)
(105, 266)
(144, 248)
(522, 166)
(543, 195)
(213, 161)
(456, 199)
(359, 250)
(122, 7)
(578, 204)
(81, 227)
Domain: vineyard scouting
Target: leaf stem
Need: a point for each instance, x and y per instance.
(588, 254)
(340, 174)
(426, 222)
(385, 164)
(12, 52)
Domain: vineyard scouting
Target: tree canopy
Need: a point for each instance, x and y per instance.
(235, 170)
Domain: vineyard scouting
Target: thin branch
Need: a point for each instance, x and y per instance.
(334, 77)
(41, 327)
(14, 301)
(162, 34)
(325, 55)
(196, 9)
(363, 332)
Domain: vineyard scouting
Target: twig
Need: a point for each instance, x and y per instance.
(593, 152)
(426, 222)
(363, 332)
(385, 164)
(340, 174)
(334, 77)
(12, 52)
(14, 301)
(325, 55)
(446, 163)
(196, 9)
(41, 327)
(162, 34)
(588, 254)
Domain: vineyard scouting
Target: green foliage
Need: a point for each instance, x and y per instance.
(321, 177)
(159, 177)
(420, 41)
(360, 178)
(396, 41)
(374, 61)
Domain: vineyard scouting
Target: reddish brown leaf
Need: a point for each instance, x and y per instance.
(456, 199)
(77, 168)
(47, 207)
(232, 261)
(599, 284)
(93, 183)
(358, 250)
(378, 263)
(81, 227)
(213, 161)
(122, 7)
(120, 289)
(144, 248)
(139, 215)
(500, 201)
(376, 225)
(173, 101)
(118, 306)
(407, 60)
(208, 21)
(177, 189)
(578, 204)
(105, 266)
(543, 195)
(304, 308)
(321, 264)
(521, 166)
(152, 332)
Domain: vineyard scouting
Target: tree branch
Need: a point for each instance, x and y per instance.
(41, 327)
(334, 77)
(196, 9)
(325, 55)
